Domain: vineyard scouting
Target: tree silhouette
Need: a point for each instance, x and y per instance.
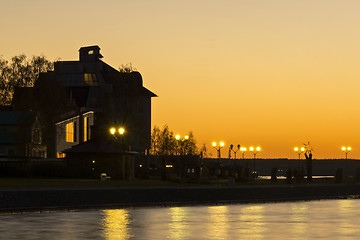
(163, 142)
(20, 72)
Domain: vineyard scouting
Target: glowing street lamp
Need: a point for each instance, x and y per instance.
(221, 144)
(255, 150)
(243, 150)
(121, 131)
(346, 150)
(112, 131)
(299, 151)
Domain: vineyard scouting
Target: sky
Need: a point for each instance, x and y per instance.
(274, 74)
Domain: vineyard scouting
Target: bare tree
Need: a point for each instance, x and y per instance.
(20, 72)
(126, 68)
(163, 142)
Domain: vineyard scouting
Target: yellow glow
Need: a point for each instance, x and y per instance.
(86, 119)
(140, 165)
(253, 221)
(121, 131)
(349, 148)
(112, 131)
(169, 166)
(222, 144)
(343, 148)
(115, 224)
(243, 149)
(296, 149)
(93, 161)
(70, 132)
(218, 218)
(186, 137)
(177, 137)
(258, 149)
(251, 149)
(177, 225)
(319, 53)
(303, 149)
(214, 144)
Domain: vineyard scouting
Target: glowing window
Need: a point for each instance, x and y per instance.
(60, 155)
(70, 132)
(90, 79)
(86, 121)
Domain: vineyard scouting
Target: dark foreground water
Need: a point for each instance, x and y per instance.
(327, 219)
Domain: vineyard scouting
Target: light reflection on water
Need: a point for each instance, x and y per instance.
(330, 219)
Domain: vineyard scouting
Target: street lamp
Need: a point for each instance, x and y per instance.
(299, 151)
(243, 150)
(112, 131)
(221, 144)
(232, 149)
(346, 150)
(121, 131)
(255, 150)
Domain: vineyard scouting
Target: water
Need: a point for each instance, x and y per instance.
(327, 219)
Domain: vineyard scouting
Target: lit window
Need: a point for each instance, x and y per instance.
(86, 121)
(60, 155)
(90, 79)
(71, 132)
(169, 166)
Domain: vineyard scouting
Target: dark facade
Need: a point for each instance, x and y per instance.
(92, 93)
(21, 135)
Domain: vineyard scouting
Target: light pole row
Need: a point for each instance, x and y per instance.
(221, 144)
(303, 150)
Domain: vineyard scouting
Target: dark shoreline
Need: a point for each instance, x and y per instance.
(39, 200)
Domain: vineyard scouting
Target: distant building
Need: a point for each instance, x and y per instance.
(82, 100)
(21, 135)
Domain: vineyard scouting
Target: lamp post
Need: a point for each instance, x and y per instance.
(232, 149)
(346, 150)
(299, 151)
(255, 151)
(218, 149)
(243, 150)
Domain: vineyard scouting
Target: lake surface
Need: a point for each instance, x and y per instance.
(326, 219)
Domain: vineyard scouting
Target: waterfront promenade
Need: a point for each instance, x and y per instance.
(66, 198)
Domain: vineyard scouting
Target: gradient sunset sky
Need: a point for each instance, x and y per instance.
(269, 73)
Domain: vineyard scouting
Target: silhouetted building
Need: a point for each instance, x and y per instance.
(81, 100)
(21, 135)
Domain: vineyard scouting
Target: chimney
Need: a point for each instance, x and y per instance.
(89, 54)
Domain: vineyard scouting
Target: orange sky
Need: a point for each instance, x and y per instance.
(270, 73)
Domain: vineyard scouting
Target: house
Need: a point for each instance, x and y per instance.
(83, 99)
(21, 135)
